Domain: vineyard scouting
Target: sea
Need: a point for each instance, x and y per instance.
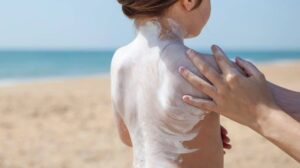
(25, 66)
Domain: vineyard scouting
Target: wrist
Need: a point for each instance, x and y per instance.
(267, 118)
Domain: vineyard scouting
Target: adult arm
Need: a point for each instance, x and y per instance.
(288, 100)
(244, 99)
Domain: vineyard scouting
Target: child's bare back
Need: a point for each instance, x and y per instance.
(147, 95)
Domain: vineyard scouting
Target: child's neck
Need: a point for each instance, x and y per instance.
(163, 29)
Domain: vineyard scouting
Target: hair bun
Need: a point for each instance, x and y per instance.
(126, 2)
(129, 11)
(134, 9)
(127, 7)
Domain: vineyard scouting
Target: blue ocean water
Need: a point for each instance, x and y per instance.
(20, 65)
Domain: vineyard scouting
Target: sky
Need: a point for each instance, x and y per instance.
(100, 24)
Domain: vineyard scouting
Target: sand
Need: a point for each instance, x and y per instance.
(69, 124)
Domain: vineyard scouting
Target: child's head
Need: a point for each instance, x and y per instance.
(191, 15)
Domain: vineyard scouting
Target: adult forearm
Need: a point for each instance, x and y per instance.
(285, 136)
(288, 100)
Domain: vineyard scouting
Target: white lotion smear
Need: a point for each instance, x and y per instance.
(147, 91)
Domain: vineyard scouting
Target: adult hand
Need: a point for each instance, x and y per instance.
(238, 97)
(246, 99)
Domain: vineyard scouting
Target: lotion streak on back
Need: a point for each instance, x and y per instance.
(147, 91)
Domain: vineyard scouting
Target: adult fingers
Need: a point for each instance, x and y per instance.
(239, 69)
(198, 83)
(200, 103)
(249, 68)
(204, 67)
(224, 63)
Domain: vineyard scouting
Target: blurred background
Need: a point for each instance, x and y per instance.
(54, 77)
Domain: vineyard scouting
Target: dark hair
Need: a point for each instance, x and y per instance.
(134, 9)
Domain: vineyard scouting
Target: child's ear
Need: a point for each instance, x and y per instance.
(189, 5)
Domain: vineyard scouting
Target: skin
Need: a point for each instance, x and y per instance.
(287, 99)
(179, 12)
(125, 137)
(198, 17)
(247, 99)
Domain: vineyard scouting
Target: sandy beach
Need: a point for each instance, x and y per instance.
(70, 124)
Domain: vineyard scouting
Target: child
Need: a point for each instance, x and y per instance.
(147, 89)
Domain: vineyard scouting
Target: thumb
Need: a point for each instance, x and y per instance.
(248, 67)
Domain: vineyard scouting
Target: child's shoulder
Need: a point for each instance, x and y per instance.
(174, 56)
(121, 58)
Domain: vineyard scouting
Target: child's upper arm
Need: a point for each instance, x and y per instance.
(123, 130)
(117, 101)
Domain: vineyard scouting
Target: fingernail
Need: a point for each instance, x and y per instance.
(181, 69)
(186, 98)
(190, 53)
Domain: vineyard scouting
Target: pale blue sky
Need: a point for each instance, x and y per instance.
(100, 24)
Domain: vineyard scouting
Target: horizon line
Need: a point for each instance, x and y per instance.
(113, 49)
